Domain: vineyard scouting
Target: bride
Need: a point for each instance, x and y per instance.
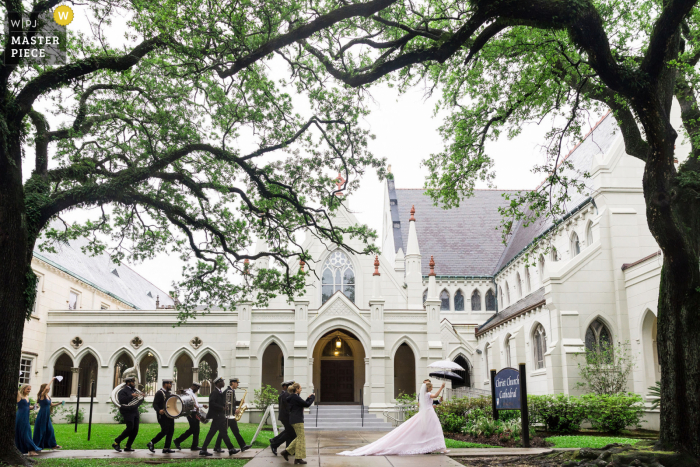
(421, 434)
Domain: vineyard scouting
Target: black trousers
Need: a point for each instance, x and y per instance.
(287, 436)
(131, 430)
(193, 431)
(167, 428)
(218, 425)
(236, 434)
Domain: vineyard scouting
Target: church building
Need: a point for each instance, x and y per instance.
(366, 328)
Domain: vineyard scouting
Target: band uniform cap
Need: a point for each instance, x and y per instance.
(288, 383)
(167, 380)
(234, 380)
(130, 379)
(219, 379)
(195, 383)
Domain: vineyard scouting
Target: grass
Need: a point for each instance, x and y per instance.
(453, 443)
(103, 435)
(140, 462)
(595, 442)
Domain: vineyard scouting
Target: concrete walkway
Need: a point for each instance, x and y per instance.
(322, 448)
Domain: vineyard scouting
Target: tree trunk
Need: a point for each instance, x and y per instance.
(15, 274)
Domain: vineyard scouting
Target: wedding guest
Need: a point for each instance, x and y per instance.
(23, 430)
(288, 435)
(296, 418)
(43, 428)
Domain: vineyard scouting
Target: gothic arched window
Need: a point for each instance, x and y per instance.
(459, 301)
(444, 301)
(589, 234)
(425, 297)
(507, 296)
(539, 340)
(575, 245)
(476, 301)
(338, 274)
(598, 336)
(507, 349)
(518, 286)
(540, 266)
(490, 301)
(527, 280)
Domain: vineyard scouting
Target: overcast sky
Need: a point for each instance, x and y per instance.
(406, 133)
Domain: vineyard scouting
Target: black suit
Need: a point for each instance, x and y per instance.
(130, 414)
(167, 425)
(288, 434)
(296, 407)
(217, 402)
(232, 423)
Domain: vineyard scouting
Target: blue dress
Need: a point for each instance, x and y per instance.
(23, 431)
(43, 429)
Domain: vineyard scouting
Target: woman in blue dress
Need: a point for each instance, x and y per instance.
(43, 429)
(23, 431)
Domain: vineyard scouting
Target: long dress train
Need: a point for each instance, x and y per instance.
(43, 428)
(420, 434)
(23, 430)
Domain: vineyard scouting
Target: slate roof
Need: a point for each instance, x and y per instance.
(463, 240)
(128, 286)
(530, 301)
(599, 140)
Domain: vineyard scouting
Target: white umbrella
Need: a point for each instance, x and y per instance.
(446, 365)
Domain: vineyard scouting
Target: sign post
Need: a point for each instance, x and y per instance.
(509, 392)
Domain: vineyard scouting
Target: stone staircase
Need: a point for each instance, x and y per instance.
(343, 418)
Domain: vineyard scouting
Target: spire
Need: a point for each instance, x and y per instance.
(264, 261)
(400, 262)
(412, 244)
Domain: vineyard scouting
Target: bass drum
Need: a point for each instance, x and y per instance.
(179, 405)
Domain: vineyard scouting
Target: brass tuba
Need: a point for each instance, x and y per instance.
(115, 392)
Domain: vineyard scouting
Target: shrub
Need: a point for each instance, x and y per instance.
(266, 396)
(559, 413)
(70, 415)
(451, 422)
(607, 368)
(613, 412)
(487, 427)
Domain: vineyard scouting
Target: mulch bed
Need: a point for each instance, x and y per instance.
(496, 440)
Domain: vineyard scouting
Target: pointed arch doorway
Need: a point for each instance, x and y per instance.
(339, 368)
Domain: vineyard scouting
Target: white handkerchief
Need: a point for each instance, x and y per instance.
(59, 378)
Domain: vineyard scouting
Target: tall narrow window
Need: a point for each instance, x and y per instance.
(459, 301)
(555, 254)
(575, 245)
(507, 348)
(25, 368)
(527, 280)
(598, 336)
(540, 346)
(490, 301)
(518, 286)
(540, 266)
(425, 297)
(589, 234)
(507, 296)
(338, 274)
(444, 301)
(476, 301)
(73, 300)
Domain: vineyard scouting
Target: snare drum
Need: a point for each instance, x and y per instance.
(179, 405)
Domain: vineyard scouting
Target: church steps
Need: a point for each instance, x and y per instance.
(343, 418)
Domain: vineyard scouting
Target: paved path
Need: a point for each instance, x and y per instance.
(322, 448)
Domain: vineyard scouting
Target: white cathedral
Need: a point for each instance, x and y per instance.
(365, 330)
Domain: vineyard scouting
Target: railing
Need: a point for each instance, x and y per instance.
(362, 406)
(317, 398)
(465, 392)
(398, 415)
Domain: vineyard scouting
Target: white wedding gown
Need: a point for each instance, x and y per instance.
(420, 434)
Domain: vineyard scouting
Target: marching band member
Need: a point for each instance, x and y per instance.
(217, 415)
(288, 434)
(192, 420)
(130, 413)
(167, 424)
(233, 385)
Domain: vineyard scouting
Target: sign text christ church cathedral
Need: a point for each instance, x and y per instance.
(367, 330)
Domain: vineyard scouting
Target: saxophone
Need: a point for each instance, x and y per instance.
(243, 408)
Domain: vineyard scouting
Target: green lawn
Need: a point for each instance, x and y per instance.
(103, 435)
(453, 443)
(595, 442)
(140, 462)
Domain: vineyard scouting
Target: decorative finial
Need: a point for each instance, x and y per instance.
(157, 301)
(432, 266)
(376, 265)
(246, 264)
(413, 211)
(339, 184)
(301, 265)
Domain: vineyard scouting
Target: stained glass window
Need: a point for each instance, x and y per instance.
(490, 301)
(444, 301)
(338, 274)
(540, 346)
(598, 336)
(459, 301)
(476, 301)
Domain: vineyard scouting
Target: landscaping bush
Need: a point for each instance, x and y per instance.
(266, 396)
(613, 412)
(559, 413)
(455, 413)
(487, 427)
(70, 415)
(451, 422)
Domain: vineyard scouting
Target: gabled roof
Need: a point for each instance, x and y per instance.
(464, 240)
(525, 304)
(119, 281)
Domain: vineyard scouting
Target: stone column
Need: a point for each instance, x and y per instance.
(302, 364)
(432, 307)
(75, 374)
(195, 375)
(376, 392)
(242, 360)
(365, 389)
